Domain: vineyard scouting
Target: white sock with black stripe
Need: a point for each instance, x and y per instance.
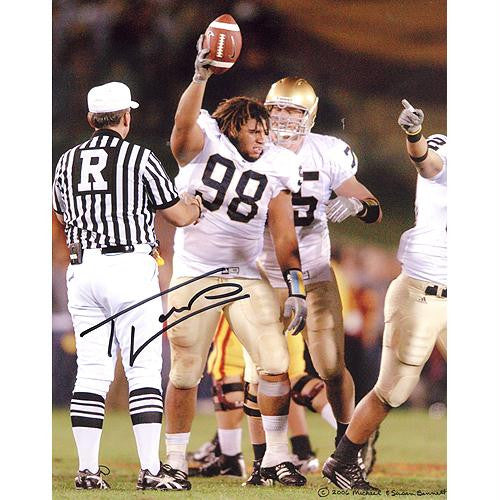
(146, 411)
(87, 416)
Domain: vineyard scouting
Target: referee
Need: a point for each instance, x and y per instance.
(106, 192)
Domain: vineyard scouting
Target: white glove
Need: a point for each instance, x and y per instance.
(297, 306)
(202, 71)
(411, 119)
(340, 208)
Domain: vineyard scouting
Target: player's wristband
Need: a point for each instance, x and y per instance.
(295, 283)
(415, 136)
(371, 210)
(418, 159)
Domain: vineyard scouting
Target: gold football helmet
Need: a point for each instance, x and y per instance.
(292, 92)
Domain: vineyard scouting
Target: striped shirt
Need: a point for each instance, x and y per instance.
(108, 189)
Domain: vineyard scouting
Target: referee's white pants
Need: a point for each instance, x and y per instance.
(100, 287)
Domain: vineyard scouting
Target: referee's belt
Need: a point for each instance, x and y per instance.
(76, 251)
(434, 290)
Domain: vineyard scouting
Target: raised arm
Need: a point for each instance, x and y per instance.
(427, 162)
(282, 229)
(187, 137)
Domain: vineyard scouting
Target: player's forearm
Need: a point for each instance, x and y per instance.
(287, 253)
(426, 161)
(182, 214)
(189, 106)
(416, 149)
(281, 225)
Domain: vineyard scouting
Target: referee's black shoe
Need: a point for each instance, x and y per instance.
(346, 476)
(284, 473)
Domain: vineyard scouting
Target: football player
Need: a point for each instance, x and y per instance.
(415, 304)
(328, 165)
(243, 181)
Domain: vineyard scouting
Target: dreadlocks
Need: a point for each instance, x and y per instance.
(232, 114)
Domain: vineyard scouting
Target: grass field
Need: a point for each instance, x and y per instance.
(411, 457)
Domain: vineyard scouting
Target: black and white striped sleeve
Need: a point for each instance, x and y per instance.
(161, 190)
(57, 203)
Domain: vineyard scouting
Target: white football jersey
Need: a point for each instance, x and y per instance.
(423, 248)
(326, 163)
(236, 194)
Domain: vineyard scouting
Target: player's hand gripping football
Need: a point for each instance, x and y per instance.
(202, 71)
(296, 306)
(341, 208)
(410, 119)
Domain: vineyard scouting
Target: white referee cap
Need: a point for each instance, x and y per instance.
(109, 97)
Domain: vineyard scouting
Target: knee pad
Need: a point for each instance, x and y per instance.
(94, 386)
(306, 399)
(186, 370)
(250, 406)
(326, 356)
(274, 365)
(399, 392)
(219, 392)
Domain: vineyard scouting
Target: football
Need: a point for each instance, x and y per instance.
(223, 38)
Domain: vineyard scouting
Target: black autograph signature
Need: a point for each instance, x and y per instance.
(229, 296)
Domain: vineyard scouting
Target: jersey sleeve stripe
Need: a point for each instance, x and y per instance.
(163, 175)
(154, 188)
(160, 187)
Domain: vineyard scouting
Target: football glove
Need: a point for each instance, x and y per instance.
(341, 208)
(297, 306)
(410, 119)
(202, 71)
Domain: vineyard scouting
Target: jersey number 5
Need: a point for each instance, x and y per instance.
(222, 186)
(310, 202)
